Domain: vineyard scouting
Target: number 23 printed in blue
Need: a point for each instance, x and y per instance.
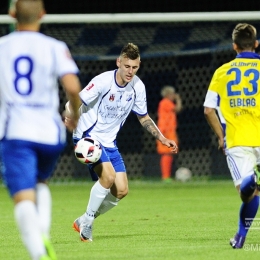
(252, 74)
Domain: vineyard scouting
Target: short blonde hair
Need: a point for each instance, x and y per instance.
(130, 51)
(27, 11)
(167, 90)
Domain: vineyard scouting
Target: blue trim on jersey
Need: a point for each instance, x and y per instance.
(248, 55)
(116, 82)
(140, 114)
(224, 128)
(135, 111)
(134, 91)
(86, 133)
(218, 100)
(83, 101)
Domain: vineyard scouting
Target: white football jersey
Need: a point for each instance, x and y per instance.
(30, 65)
(106, 106)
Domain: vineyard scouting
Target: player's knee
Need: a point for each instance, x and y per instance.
(122, 192)
(108, 178)
(22, 195)
(246, 199)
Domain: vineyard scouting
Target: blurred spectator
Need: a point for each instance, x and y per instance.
(168, 108)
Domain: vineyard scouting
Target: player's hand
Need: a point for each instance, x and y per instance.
(171, 144)
(70, 121)
(221, 145)
(177, 96)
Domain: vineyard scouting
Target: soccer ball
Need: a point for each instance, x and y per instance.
(88, 150)
(183, 174)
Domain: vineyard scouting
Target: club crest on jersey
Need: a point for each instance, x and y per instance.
(90, 87)
(129, 97)
(112, 97)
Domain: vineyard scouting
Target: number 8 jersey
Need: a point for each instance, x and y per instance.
(30, 64)
(235, 89)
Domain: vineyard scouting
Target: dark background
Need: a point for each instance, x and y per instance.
(119, 6)
(183, 54)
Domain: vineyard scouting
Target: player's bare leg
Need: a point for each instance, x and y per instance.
(117, 192)
(99, 191)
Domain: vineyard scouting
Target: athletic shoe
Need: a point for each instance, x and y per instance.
(257, 175)
(76, 225)
(237, 241)
(49, 249)
(84, 229)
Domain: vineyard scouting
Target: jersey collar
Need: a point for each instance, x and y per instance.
(248, 55)
(116, 82)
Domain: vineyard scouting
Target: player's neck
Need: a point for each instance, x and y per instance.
(28, 27)
(119, 80)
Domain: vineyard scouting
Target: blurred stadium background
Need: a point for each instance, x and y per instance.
(183, 54)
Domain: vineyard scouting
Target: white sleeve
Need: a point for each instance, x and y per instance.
(211, 99)
(90, 92)
(64, 62)
(140, 105)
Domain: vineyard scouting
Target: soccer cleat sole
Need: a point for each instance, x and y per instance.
(76, 228)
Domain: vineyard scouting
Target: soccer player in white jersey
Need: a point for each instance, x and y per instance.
(32, 133)
(234, 93)
(107, 101)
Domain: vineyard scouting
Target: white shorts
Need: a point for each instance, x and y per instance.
(241, 161)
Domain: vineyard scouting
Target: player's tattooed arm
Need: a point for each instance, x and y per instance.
(150, 126)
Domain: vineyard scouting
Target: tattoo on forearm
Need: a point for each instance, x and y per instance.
(151, 128)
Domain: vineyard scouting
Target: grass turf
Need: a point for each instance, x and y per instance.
(155, 221)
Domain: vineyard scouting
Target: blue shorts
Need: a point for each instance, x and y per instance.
(108, 155)
(25, 163)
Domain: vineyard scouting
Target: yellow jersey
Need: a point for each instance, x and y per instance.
(237, 85)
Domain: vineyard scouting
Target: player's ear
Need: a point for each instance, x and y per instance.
(235, 47)
(12, 12)
(42, 13)
(256, 44)
(118, 62)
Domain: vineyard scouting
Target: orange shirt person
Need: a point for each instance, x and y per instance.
(168, 108)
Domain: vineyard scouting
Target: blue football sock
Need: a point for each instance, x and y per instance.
(247, 214)
(248, 185)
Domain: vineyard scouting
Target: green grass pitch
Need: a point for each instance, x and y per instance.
(155, 221)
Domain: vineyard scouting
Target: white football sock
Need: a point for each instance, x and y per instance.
(108, 203)
(97, 195)
(27, 220)
(43, 204)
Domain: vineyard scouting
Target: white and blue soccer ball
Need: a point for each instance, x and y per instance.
(88, 150)
(183, 174)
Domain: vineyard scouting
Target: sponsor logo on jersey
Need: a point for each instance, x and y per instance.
(90, 87)
(112, 97)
